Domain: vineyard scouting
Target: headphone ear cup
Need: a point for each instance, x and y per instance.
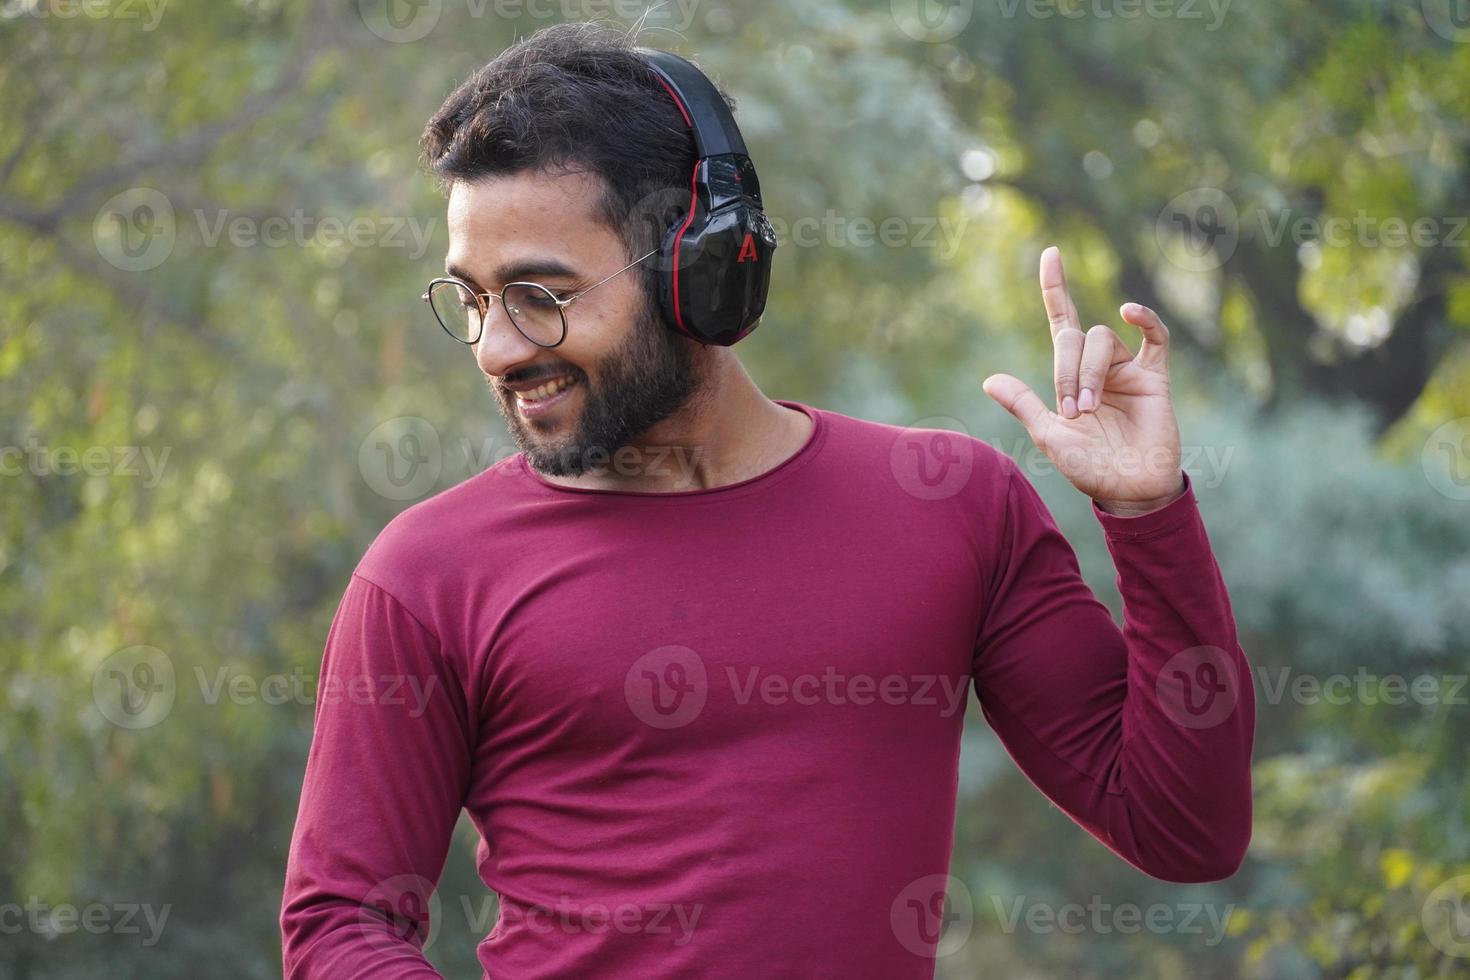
(716, 273)
(733, 273)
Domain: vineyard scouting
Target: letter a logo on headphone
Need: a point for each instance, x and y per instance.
(715, 266)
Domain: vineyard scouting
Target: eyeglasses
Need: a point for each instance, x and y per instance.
(533, 309)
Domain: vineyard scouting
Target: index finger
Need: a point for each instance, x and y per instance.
(1060, 310)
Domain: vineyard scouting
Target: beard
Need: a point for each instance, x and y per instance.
(649, 376)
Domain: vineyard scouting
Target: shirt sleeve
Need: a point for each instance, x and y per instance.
(1143, 735)
(385, 781)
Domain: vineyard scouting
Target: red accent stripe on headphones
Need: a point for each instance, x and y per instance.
(679, 238)
(675, 96)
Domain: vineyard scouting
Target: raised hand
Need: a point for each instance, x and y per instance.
(1113, 434)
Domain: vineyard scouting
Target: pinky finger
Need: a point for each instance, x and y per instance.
(1154, 354)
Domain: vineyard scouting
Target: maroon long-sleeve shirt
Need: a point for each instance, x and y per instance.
(715, 733)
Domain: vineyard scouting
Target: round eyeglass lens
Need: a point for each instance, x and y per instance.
(535, 312)
(457, 310)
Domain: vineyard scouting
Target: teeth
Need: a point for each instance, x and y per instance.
(543, 391)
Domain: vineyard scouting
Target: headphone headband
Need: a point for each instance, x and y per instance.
(705, 110)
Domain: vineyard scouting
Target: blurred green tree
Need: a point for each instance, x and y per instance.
(183, 299)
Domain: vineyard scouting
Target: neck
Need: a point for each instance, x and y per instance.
(727, 432)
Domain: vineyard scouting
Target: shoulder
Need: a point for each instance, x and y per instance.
(929, 458)
(428, 547)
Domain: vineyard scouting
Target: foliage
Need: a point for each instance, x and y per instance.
(253, 373)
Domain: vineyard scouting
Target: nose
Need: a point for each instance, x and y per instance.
(501, 346)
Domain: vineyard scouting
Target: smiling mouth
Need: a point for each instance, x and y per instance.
(545, 391)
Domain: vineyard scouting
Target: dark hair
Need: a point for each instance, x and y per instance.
(571, 97)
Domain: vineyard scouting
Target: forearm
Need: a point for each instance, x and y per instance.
(1189, 718)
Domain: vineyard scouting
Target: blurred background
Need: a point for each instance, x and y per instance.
(218, 383)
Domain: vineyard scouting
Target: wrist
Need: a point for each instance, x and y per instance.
(1137, 508)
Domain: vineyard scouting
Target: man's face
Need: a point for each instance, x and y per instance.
(627, 370)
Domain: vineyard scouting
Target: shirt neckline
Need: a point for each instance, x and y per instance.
(773, 475)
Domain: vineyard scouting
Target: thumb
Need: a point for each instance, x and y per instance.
(1013, 396)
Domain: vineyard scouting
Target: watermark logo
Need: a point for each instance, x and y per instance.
(400, 21)
(135, 687)
(1198, 230)
(647, 223)
(135, 230)
(1450, 19)
(933, 21)
(401, 459)
(1198, 687)
(932, 458)
(398, 909)
(1446, 459)
(1446, 917)
(933, 916)
(667, 687)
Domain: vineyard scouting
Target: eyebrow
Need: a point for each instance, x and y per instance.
(518, 271)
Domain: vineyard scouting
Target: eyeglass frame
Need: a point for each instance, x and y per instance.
(483, 298)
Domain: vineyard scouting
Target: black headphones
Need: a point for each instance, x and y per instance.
(715, 263)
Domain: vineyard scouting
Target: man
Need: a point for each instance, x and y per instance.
(695, 661)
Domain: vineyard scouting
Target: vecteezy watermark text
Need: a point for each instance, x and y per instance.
(152, 10)
(676, 919)
(299, 687)
(836, 688)
(1361, 687)
(1102, 918)
(1120, 10)
(297, 229)
(39, 459)
(137, 687)
(406, 21)
(97, 918)
(859, 231)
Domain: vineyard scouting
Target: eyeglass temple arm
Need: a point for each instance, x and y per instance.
(425, 296)
(624, 269)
